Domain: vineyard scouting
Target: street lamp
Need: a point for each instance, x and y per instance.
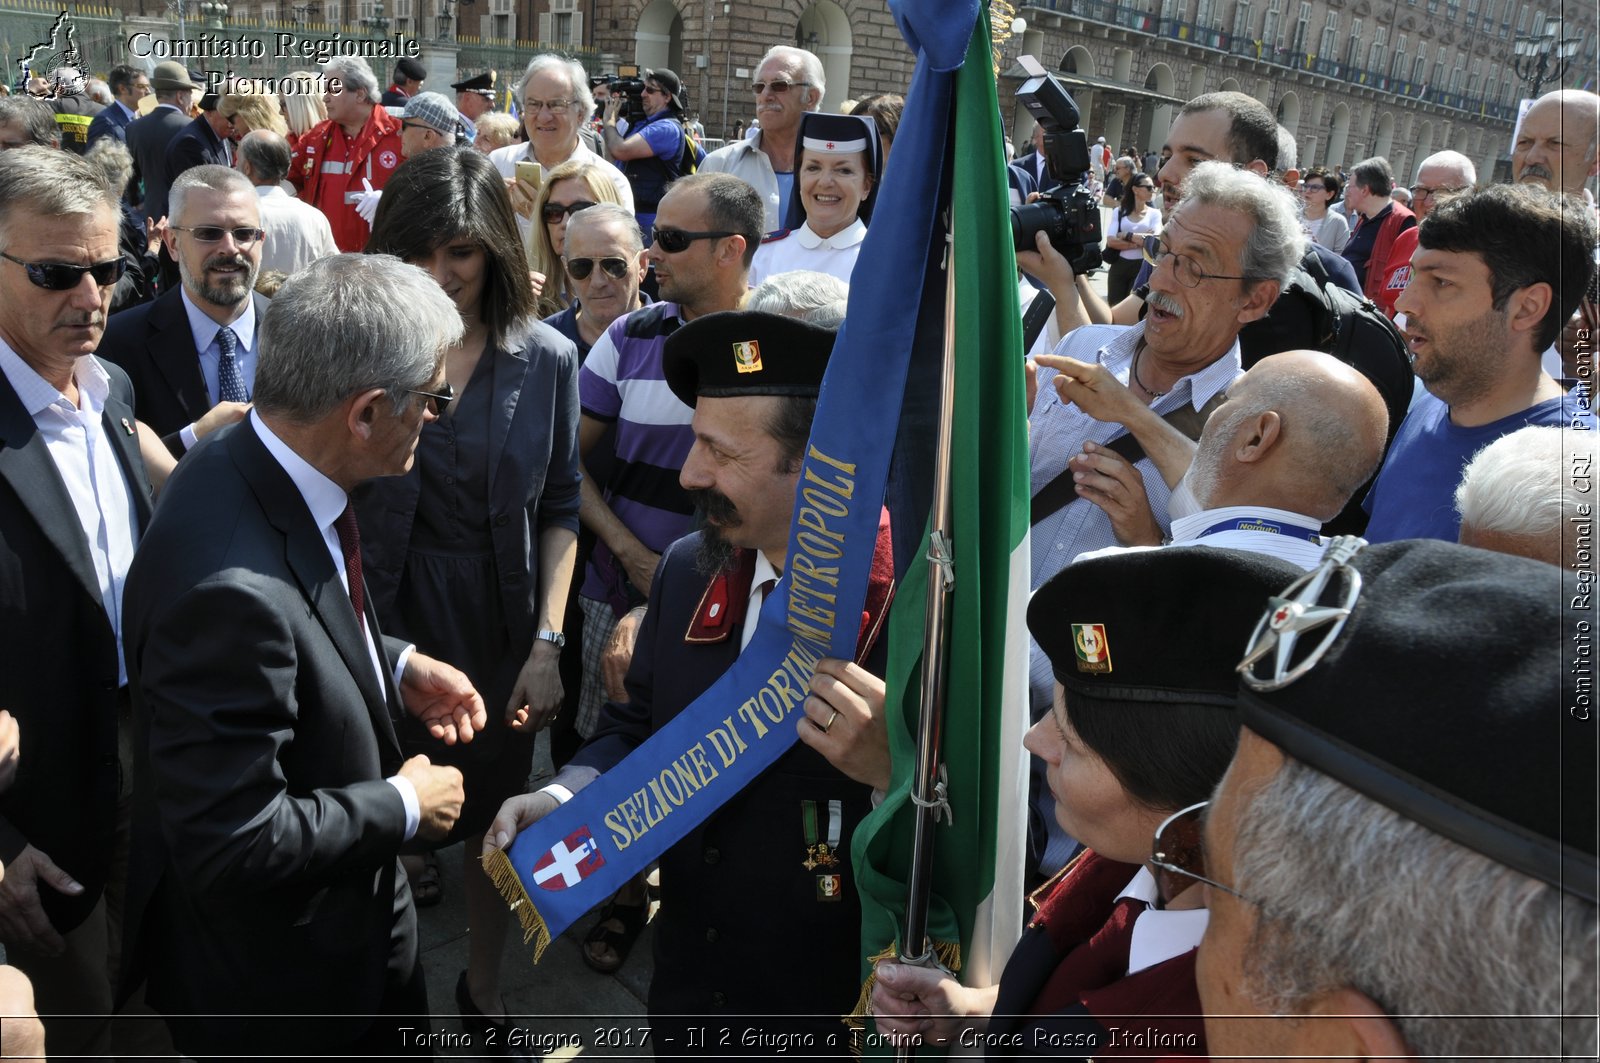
(1543, 59)
(446, 19)
(376, 22)
(215, 13)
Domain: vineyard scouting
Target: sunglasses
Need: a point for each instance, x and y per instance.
(244, 236)
(554, 212)
(777, 85)
(63, 276)
(580, 268)
(439, 400)
(672, 241)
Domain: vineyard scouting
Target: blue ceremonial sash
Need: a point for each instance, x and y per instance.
(580, 854)
(1263, 524)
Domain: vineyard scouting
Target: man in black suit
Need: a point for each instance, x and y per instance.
(149, 136)
(272, 796)
(128, 85)
(74, 499)
(203, 142)
(193, 351)
(751, 429)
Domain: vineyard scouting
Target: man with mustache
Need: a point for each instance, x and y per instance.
(74, 502)
(752, 379)
(1495, 276)
(1219, 265)
(788, 83)
(191, 354)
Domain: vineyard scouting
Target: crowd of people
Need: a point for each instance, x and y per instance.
(350, 441)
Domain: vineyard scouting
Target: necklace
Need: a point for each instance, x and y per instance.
(1154, 395)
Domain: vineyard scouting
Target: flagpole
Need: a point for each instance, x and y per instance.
(927, 790)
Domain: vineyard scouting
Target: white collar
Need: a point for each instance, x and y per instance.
(271, 192)
(37, 394)
(1186, 528)
(1160, 934)
(205, 329)
(849, 236)
(764, 571)
(324, 498)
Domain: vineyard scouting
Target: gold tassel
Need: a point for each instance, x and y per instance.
(497, 865)
(948, 953)
(1001, 17)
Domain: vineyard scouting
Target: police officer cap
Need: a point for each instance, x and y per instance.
(746, 352)
(1458, 691)
(1154, 626)
(483, 84)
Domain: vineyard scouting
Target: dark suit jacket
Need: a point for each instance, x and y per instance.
(195, 145)
(60, 673)
(148, 138)
(154, 344)
(745, 862)
(265, 877)
(112, 121)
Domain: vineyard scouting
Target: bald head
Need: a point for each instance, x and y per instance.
(1441, 175)
(1556, 143)
(1300, 431)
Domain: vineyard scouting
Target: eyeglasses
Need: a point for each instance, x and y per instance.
(1314, 188)
(244, 236)
(1189, 275)
(777, 85)
(1177, 848)
(553, 106)
(63, 276)
(672, 241)
(418, 125)
(554, 212)
(439, 400)
(580, 268)
(656, 90)
(1418, 191)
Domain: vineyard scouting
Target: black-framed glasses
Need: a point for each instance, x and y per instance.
(243, 236)
(673, 241)
(554, 212)
(580, 268)
(777, 85)
(439, 400)
(1189, 275)
(656, 90)
(1418, 191)
(1177, 848)
(64, 276)
(553, 106)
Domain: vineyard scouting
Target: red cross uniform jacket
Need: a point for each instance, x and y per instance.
(1066, 993)
(329, 169)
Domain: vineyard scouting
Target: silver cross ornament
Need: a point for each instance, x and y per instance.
(1299, 611)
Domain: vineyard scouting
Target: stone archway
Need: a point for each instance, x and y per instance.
(1424, 142)
(824, 30)
(1289, 113)
(1078, 60)
(1229, 85)
(1385, 136)
(659, 39)
(1338, 136)
(1156, 118)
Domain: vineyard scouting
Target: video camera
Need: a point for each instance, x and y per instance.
(1070, 215)
(627, 82)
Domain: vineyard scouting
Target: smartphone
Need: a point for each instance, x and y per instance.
(530, 173)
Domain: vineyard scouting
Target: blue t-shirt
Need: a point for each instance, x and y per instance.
(1414, 496)
(666, 143)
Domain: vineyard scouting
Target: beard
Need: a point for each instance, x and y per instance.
(716, 553)
(232, 289)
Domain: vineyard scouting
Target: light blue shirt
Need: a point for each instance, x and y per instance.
(205, 341)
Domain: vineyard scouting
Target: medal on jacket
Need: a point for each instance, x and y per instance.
(821, 853)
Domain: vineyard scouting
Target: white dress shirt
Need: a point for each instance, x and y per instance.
(326, 501)
(1259, 529)
(1159, 934)
(75, 437)
(297, 233)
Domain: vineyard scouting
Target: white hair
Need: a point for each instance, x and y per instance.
(1276, 244)
(1515, 485)
(817, 298)
(575, 74)
(1456, 163)
(1288, 150)
(810, 65)
(353, 73)
(1352, 894)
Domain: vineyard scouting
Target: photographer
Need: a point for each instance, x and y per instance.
(657, 149)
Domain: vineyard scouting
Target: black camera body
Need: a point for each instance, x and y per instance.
(630, 88)
(1069, 215)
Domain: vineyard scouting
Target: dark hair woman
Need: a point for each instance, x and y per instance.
(1320, 189)
(470, 554)
(1132, 221)
(1142, 730)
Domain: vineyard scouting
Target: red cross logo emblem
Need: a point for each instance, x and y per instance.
(830, 145)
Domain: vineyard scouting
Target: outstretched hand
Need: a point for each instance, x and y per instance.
(442, 698)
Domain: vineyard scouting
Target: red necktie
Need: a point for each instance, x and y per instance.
(350, 542)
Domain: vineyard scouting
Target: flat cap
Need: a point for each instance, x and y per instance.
(746, 352)
(1155, 626)
(434, 111)
(1453, 685)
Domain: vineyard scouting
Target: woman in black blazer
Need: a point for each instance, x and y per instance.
(470, 554)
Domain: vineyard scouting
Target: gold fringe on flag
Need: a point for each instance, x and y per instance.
(1002, 15)
(497, 865)
(948, 953)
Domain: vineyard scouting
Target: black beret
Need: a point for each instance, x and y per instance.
(410, 69)
(1155, 626)
(1458, 692)
(746, 352)
(483, 84)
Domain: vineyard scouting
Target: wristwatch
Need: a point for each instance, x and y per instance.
(552, 636)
